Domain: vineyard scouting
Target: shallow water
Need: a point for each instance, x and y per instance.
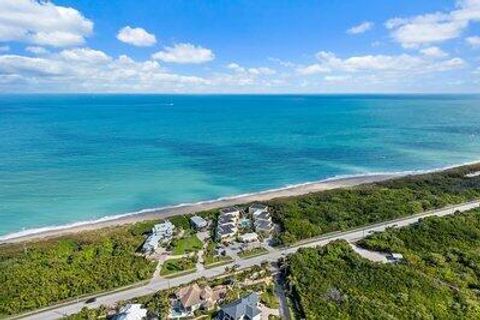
(68, 158)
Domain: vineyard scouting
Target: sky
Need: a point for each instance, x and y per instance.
(217, 46)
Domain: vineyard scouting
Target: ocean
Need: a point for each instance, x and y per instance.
(71, 158)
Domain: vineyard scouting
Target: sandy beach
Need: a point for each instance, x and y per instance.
(296, 190)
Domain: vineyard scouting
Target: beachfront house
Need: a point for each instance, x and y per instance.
(230, 211)
(164, 230)
(198, 223)
(131, 312)
(192, 298)
(257, 207)
(161, 233)
(242, 309)
(227, 224)
(151, 244)
(264, 215)
(262, 220)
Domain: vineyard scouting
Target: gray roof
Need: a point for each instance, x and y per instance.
(259, 206)
(226, 229)
(263, 216)
(199, 221)
(152, 242)
(263, 224)
(225, 219)
(229, 210)
(247, 306)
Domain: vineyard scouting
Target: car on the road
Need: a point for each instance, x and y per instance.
(91, 300)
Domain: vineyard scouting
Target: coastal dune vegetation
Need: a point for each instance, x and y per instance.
(439, 278)
(37, 274)
(310, 215)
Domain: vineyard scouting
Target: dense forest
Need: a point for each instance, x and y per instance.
(333, 282)
(34, 275)
(446, 248)
(310, 215)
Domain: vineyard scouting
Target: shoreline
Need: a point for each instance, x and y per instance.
(189, 208)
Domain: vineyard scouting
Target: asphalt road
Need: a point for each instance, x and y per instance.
(160, 284)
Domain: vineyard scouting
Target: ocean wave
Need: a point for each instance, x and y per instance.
(93, 222)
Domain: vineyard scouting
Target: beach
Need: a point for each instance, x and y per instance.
(52, 232)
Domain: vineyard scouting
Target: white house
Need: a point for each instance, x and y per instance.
(162, 232)
(131, 312)
(257, 207)
(231, 211)
(248, 237)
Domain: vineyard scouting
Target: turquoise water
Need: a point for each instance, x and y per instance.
(69, 158)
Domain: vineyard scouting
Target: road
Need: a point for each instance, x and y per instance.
(160, 283)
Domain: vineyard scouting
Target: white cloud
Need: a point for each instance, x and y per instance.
(4, 48)
(339, 78)
(253, 71)
(36, 50)
(20, 65)
(185, 53)
(361, 28)
(84, 69)
(136, 36)
(474, 41)
(435, 52)
(85, 55)
(413, 64)
(434, 27)
(42, 23)
(313, 69)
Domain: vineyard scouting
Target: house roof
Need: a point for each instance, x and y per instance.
(190, 295)
(262, 216)
(259, 206)
(247, 306)
(163, 229)
(229, 210)
(151, 241)
(131, 312)
(226, 229)
(193, 295)
(263, 224)
(199, 221)
(225, 219)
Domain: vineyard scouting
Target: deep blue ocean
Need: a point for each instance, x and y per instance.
(69, 158)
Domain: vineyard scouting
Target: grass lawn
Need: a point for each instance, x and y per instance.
(173, 266)
(215, 261)
(187, 244)
(253, 252)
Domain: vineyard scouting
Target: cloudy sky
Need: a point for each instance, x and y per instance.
(216, 46)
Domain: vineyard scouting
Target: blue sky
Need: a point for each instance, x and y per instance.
(240, 46)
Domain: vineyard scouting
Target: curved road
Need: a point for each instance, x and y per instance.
(157, 284)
